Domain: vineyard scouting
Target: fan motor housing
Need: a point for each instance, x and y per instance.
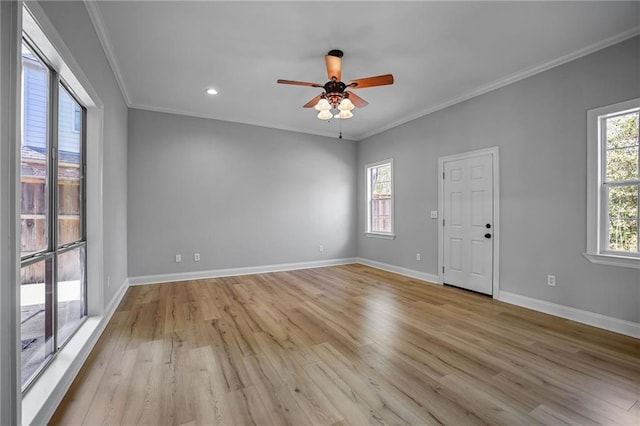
(334, 87)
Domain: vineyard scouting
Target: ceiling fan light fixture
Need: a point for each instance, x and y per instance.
(336, 94)
(344, 114)
(323, 105)
(325, 115)
(346, 105)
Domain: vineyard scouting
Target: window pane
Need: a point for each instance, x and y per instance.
(35, 316)
(622, 130)
(381, 181)
(71, 292)
(623, 218)
(623, 202)
(622, 164)
(623, 235)
(69, 177)
(34, 153)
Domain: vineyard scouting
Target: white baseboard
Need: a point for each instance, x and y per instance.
(616, 325)
(41, 400)
(424, 276)
(231, 272)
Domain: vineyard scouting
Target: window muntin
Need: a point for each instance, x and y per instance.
(380, 198)
(620, 188)
(53, 296)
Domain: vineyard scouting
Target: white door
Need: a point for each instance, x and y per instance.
(468, 223)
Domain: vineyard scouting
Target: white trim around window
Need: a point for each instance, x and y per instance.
(370, 232)
(596, 201)
(39, 402)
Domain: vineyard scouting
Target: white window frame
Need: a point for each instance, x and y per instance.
(596, 216)
(385, 235)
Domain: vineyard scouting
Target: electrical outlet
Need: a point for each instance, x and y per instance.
(321, 249)
(551, 280)
(178, 258)
(196, 257)
(418, 257)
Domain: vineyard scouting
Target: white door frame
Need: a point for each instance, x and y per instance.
(494, 152)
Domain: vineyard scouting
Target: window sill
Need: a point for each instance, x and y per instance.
(613, 260)
(381, 236)
(40, 400)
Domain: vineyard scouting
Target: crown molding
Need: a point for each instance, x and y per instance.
(98, 24)
(511, 78)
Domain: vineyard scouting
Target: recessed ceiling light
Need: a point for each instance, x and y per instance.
(212, 91)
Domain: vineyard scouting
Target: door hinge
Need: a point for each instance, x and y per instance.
(443, 269)
(443, 175)
(442, 222)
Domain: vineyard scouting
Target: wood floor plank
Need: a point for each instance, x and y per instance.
(353, 408)
(312, 401)
(488, 405)
(208, 391)
(346, 345)
(576, 406)
(384, 401)
(112, 396)
(143, 398)
(422, 389)
(547, 415)
(280, 403)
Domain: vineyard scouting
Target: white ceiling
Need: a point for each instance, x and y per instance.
(166, 53)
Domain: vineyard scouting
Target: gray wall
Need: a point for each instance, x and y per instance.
(539, 123)
(72, 22)
(239, 195)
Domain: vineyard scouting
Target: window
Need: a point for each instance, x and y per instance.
(53, 244)
(613, 235)
(380, 199)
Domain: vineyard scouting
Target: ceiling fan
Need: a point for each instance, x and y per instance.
(335, 94)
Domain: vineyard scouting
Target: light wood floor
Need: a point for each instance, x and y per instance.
(347, 345)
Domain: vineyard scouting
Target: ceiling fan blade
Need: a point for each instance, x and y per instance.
(357, 100)
(379, 80)
(313, 102)
(334, 67)
(300, 83)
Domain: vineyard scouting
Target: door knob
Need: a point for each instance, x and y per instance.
(488, 225)
(487, 235)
